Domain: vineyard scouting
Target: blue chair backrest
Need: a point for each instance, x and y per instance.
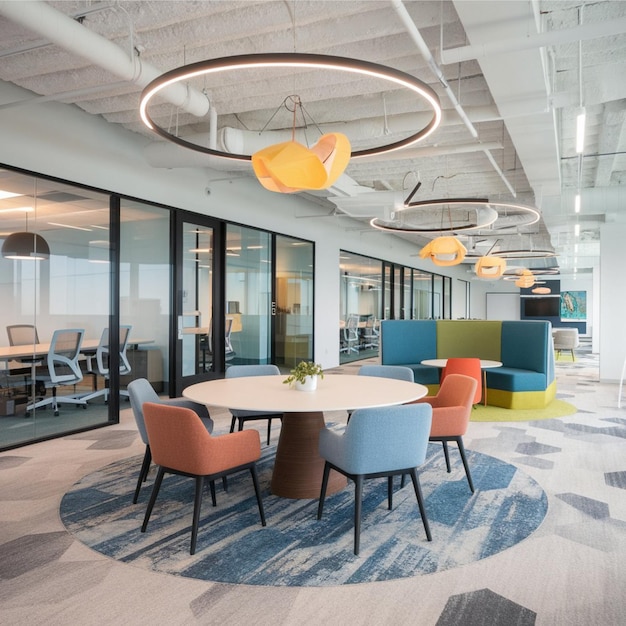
(387, 438)
(397, 372)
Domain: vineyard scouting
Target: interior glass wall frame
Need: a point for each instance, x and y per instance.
(74, 288)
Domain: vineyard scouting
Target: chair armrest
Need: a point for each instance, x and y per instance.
(332, 446)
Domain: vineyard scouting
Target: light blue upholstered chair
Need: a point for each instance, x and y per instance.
(237, 371)
(398, 372)
(141, 391)
(382, 442)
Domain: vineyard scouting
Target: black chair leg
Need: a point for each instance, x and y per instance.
(390, 492)
(446, 454)
(197, 504)
(358, 501)
(232, 424)
(420, 502)
(225, 483)
(143, 473)
(459, 441)
(320, 506)
(257, 491)
(402, 481)
(153, 496)
(212, 488)
(269, 430)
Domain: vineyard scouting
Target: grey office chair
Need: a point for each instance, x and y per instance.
(63, 369)
(141, 391)
(25, 335)
(98, 363)
(236, 371)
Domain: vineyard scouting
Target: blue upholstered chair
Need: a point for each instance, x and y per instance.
(376, 443)
(236, 371)
(398, 372)
(141, 391)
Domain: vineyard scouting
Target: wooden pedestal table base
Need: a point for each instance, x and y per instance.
(298, 467)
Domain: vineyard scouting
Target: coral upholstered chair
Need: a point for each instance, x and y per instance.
(467, 366)
(452, 408)
(141, 391)
(180, 444)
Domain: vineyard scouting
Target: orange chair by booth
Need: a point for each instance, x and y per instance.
(181, 444)
(452, 407)
(468, 366)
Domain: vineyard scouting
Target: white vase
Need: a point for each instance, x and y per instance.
(309, 384)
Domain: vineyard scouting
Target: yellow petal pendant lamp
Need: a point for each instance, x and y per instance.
(490, 267)
(289, 166)
(526, 279)
(444, 251)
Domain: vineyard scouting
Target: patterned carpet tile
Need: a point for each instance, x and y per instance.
(295, 549)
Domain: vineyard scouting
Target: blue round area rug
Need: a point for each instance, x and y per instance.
(295, 549)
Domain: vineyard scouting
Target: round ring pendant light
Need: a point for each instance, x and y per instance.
(291, 60)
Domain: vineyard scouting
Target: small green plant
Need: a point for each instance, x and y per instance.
(302, 370)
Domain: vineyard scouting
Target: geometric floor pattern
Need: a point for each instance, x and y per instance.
(569, 571)
(297, 549)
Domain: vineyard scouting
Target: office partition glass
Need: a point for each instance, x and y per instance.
(422, 286)
(145, 283)
(44, 299)
(293, 320)
(248, 279)
(361, 306)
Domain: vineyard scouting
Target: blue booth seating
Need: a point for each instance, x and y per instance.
(526, 378)
(407, 342)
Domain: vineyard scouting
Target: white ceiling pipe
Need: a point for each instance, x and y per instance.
(423, 48)
(533, 41)
(41, 18)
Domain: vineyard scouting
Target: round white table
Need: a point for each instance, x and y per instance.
(485, 364)
(298, 468)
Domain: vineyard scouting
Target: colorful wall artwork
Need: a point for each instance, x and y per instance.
(573, 305)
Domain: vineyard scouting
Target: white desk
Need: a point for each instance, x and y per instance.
(298, 467)
(485, 364)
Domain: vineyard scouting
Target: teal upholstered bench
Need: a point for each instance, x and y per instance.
(526, 378)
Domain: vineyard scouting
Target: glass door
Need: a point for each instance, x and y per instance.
(293, 309)
(199, 334)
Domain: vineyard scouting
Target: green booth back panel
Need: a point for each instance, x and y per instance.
(469, 338)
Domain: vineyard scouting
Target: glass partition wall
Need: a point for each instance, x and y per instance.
(361, 305)
(51, 305)
(293, 310)
(195, 295)
(371, 289)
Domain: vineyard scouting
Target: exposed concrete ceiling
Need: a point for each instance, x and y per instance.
(511, 77)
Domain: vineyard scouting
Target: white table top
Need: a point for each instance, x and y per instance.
(335, 392)
(484, 363)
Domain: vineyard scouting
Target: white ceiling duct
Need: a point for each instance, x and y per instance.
(41, 18)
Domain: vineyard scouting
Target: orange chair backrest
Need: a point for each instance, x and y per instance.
(178, 439)
(457, 390)
(468, 366)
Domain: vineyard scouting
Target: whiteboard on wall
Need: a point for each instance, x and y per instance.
(503, 306)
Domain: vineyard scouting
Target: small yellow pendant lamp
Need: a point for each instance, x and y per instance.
(490, 267)
(444, 251)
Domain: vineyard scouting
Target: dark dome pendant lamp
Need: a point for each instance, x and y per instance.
(24, 245)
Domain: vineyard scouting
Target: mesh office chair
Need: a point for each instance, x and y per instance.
(101, 365)
(25, 335)
(63, 369)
